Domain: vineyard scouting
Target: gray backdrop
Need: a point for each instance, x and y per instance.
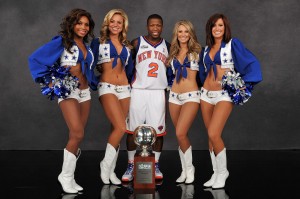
(270, 29)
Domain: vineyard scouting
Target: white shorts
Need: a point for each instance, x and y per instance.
(79, 95)
(182, 98)
(147, 107)
(121, 92)
(213, 97)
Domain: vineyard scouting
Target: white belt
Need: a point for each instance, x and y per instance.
(188, 95)
(117, 88)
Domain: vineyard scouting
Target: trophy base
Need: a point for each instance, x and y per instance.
(144, 172)
(144, 193)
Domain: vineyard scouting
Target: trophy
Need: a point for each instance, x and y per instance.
(144, 163)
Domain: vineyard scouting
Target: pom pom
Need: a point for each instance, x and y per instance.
(62, 82)
(238, 91)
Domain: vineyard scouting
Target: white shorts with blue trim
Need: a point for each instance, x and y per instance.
(79, 95)
(121, 92)
(182, 98)
(213, 97)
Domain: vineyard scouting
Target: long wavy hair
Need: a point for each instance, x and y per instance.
(194, 48)
(104, 32)
(210, 24)
(68, 23)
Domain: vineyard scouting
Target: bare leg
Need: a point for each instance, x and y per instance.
(158, 145)
(116, 112)
(187, 115)
(85, 111)
(215, 118)
(130, 143)
(207, 111)
(71, 110)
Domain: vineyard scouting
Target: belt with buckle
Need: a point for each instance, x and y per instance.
(180, 97)
(119, 89)
(211, 94)
(82, 94)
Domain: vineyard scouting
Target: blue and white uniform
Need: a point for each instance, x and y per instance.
(104, 53)
(54, 52)
(180, 70)
(234, 56)
(147, 104)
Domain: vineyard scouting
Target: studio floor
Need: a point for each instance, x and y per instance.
(253, 175)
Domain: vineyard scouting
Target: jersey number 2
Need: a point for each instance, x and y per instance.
(152, 72)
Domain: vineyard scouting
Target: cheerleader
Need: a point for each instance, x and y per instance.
(70, 52)
(222, 55)
(113, 59)
(184, 97)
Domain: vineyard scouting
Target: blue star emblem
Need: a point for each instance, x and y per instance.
(108, 85)
(74, 57)
(75, 50)
(100, 55)
(225, 60)
(202, 91)
(105, 48)
(106, 54)
(66, 57)
(223, 93)
(173, 95)
(231, 60)
(190, 95)
(224, 54)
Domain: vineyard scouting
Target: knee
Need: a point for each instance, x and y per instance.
(77, 133)
(181, 136)
(121, 128)
(213, 137)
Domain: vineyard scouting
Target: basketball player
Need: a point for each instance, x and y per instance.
(147, 104)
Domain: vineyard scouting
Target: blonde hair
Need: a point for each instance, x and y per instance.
(104, 32)
(194, 48)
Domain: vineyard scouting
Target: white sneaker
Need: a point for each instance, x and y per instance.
(128, 175)
(158, 173)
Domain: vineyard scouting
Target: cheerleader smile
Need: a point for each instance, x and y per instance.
(82, 28)
(116, 24)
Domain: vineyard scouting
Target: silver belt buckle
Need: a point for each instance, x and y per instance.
(119, 89)
(211, 94)
(82, 94)
(180, 97)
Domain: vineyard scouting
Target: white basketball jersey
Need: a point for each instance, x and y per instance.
(150, 65)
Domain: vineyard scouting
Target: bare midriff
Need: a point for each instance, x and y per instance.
(116, 75)
(186, 84)
(76, 71)
(214, 84)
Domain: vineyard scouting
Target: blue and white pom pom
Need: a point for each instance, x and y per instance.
(232, 83)
(63, 83)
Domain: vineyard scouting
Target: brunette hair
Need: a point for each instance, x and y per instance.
(210, 24)
(68, 23)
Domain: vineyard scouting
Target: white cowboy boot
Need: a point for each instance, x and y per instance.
(107, 162)
(214, 166)
(75, 185)
(66, 176)
(222, 172)
(182, 177)
(190, 169)
(113, 177)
